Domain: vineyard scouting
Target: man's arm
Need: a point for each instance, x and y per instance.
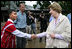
(21, 34)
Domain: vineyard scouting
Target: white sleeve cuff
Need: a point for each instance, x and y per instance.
(41, 34)
(58, 36)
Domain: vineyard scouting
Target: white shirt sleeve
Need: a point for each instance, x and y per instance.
(41, 34)
(58, 36)
(21, 34)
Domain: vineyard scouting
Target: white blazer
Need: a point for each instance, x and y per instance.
(63, 28)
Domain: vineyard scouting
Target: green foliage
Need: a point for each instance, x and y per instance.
(34, 6)
(66, 5)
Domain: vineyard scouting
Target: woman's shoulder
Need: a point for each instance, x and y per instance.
(64, 17)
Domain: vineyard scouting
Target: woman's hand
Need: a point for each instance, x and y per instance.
(52, 35)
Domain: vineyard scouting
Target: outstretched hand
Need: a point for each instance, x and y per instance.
(52, 35)
(33, 36)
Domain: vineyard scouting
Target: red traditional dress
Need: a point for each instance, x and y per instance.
(8, 35)
(7, 38)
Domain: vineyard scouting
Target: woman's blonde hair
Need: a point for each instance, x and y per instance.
(56, 7)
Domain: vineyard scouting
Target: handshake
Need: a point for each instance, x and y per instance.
(33, 36)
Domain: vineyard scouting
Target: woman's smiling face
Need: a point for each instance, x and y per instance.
(52, 12)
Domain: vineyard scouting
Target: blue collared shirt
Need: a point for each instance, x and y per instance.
(21, 20)
(51, 18)
(69, 17)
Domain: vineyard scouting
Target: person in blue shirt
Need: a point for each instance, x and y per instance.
(20, 24)
(51, 18)
(69, 17)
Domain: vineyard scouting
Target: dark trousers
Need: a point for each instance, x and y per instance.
(21, 41)
(43, 28)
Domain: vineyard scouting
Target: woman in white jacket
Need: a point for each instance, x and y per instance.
(58, 33)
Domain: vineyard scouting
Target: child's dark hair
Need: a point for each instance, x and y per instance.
(11, 10)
